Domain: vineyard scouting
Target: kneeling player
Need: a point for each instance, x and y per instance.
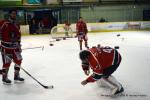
(103, 61)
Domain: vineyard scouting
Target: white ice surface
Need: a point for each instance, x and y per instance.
(59, 65)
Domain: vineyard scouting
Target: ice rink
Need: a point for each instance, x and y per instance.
(59, 65)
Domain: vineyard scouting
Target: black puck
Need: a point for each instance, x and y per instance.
(57, 39)
(51, 44)
(64, 38)
(118, 35)
(116, 47)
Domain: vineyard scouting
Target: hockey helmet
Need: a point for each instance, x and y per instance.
(84, 54)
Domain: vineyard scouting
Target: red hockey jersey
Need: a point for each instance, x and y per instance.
(101, 58)
(10, 32)
(81, 27)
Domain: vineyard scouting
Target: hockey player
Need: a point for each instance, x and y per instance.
(81, 29)
(103, 61)
(10, 46)
(66, 27)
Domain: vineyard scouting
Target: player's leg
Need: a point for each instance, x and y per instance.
(110, 84)
(101, 83)
(118, 88)
(86, 41)
(67, 31)
(86, 44)
(80, 41)
(6, 64)
(111, 81)
(17, 59)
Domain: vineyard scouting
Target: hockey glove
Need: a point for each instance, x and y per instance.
(84, 82)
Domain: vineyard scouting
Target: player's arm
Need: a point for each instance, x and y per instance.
(77, 26)
(0, 30)
(77, 29)
(0, 35)
(86, 30)
(92, 78)
(3, 26)
(85, 67)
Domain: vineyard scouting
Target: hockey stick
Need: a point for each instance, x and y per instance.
(42, 47)
(44, 86)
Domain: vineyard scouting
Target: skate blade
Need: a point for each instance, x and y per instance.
(6, 83)
(18, 82)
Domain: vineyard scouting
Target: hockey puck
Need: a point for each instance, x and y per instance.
(118, 35)
(51, 44)
(57, 39)
(116, 47)
(64, 38)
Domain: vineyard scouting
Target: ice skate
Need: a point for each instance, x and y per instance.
(117, 91)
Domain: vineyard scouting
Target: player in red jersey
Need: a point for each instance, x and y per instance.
(103, 61)
(10, 46)
(82, 30)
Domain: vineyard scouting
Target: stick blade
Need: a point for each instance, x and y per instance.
(49, 87)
